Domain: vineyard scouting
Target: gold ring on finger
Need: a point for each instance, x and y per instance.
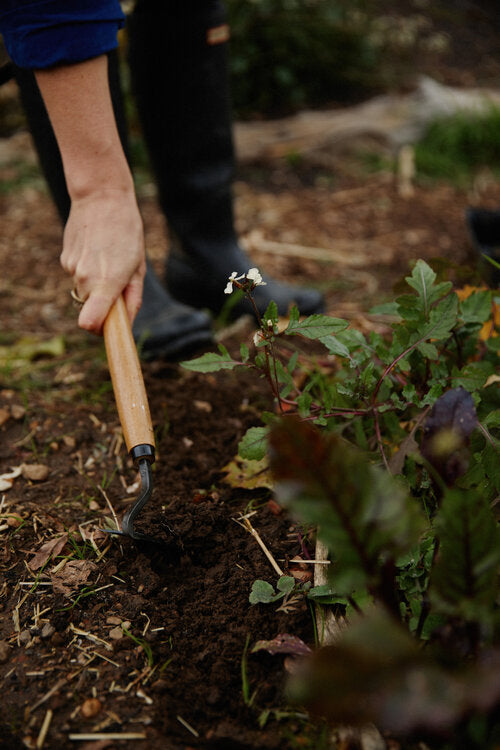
(76, 298)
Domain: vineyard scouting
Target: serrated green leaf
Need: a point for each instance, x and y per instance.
(253, 445)
(211, 362)
(473, 376)
(476, 308)
(316, 326)
(422, 280)
(335, 346)
(442, 320)
(429, 351)
(271, 312)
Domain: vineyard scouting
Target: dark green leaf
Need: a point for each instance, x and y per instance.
(464, 579)
(476, 308)
(253, 445)
(316, 326)
(262, 593)
(211, 362)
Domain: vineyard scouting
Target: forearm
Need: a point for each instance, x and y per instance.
(103, 245)
(79, 104)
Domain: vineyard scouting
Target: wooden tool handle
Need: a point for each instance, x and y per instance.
(126, 376)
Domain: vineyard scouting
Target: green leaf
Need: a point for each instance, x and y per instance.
(473, 375)
(388, 308)
(253, 445)
(442, 320)
(476, 308)
(464, 581)
(286, 584)
(211, 362)
(316, 326)
(335, 346)
(244, 352)
(262, 593)
(422, 280)
(271, 312)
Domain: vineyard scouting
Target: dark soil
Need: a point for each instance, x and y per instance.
(187, 597)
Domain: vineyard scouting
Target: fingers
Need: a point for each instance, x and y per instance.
(99, 302)
(132, 294)
(103, 250)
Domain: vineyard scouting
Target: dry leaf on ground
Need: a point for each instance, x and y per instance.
(71, 576)
(50, 549)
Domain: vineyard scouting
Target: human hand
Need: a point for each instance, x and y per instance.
(103, 250)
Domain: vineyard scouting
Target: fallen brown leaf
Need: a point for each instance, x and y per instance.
(50, 549)
(71, 576)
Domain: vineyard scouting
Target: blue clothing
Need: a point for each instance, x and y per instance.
(42, 33)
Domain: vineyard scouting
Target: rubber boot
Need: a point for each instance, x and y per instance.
(178, 63)
(164, 327)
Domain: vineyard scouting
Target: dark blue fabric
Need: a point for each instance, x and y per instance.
(51, 32)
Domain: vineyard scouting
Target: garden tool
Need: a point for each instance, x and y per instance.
(133, 408)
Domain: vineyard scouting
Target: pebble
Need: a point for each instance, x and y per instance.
(90, 707)
(116, 633)
(24, 637)
(4, 652)
(35, 472)
(48, 630)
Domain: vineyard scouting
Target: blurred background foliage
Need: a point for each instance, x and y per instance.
(288, 55)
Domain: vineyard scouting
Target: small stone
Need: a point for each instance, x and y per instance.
(35, 472)
(4, 652)
(47, 631)
(24, 637)
(14, 522)
(202, 406)
(113, 620)
(69, 441)
(54, 446)
(91, 707)
(17, 411)
(93, 505)
(116, 634)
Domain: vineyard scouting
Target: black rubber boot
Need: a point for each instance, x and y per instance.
(163, 327)
(178, 63)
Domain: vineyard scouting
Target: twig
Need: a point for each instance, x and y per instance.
(188, 726)
(44, 729)
(248, 526)
(103, 736)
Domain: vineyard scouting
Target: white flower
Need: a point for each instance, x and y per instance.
(233, 277)
(257, 338)
(253, 274)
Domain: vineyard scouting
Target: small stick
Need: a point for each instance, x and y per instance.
(44, 729)
(103, 736)
(248, 526)
(188, 726)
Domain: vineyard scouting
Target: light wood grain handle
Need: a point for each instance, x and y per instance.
(126, 376)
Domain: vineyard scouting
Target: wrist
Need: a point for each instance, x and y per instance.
(106, 172)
